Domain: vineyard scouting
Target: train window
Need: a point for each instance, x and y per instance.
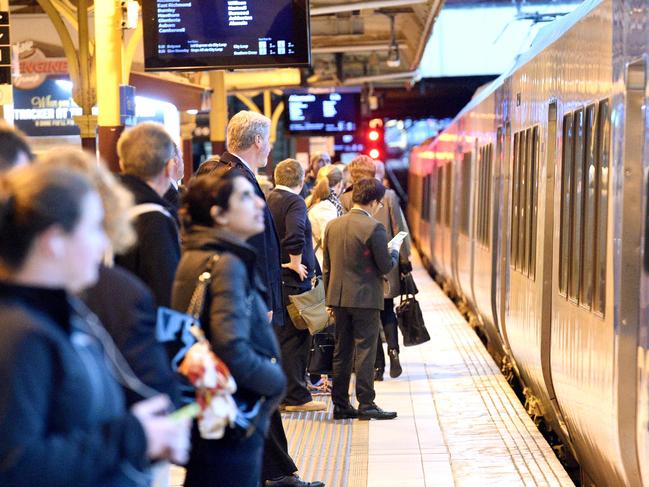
(604, 138)
(487, 199)
(448, 178)
(576, 230)
(524, 200)
(514, 225)
(465, 206)
(484, 192)
(534, 191)
(529, 182)
(591, 143)
(438, 194)
(522, 196)
(566, 184)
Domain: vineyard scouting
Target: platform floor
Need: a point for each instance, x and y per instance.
(459, 422)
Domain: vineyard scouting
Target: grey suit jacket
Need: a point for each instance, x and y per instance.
(356, 257)
(394, 222)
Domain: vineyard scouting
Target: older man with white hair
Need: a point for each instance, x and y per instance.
(248, 147)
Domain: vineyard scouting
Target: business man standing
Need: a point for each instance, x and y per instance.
(356, 257)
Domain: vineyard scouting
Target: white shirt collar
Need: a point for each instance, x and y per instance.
(246, 163)
(285, 188)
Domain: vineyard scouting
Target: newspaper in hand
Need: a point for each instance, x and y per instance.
(396, 242)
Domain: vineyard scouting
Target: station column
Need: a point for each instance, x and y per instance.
(219, 112)
(108, 60)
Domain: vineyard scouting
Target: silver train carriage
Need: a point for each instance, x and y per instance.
(531, 207)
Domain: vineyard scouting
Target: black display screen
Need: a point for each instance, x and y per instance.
(322, 113)
(225, 34)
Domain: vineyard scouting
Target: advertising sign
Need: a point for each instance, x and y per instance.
(47, 110)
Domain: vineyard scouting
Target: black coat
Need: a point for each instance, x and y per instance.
(235, 316)
(155, 256)
(127, 310)
(266, 244)
(295, 235)
(62, 415)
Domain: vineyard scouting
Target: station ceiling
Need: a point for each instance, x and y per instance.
(353, 41)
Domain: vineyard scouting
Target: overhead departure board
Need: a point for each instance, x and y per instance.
(321, 112)
(225, 34)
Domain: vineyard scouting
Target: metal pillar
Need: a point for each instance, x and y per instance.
(108, 62)
(87, 122)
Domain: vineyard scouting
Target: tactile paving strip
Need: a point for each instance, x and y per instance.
(490, 438)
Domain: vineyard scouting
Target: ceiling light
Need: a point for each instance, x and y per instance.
(394, 56)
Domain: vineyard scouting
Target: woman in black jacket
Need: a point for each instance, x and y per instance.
(220, 212)
(62, 416)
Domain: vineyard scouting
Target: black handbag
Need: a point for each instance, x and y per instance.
(410, 319)
(175, 328)
(321, 354)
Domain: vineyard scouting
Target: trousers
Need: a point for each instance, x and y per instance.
(390, 328)
(276, 462)
(356, 336)
(295, 346)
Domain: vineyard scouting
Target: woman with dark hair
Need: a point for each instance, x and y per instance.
(317, 162)
(62, 415)
(220, 211)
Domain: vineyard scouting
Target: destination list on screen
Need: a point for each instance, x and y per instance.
(326, 113)
(225, 28)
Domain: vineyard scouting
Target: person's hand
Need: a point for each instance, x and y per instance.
(270, 316)
(166, 438)
(298, 268)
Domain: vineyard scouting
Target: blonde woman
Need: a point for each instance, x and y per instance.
(324, 205)
(122, 302)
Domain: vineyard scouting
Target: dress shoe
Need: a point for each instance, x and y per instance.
(395, 365)
(345, 413)
(292, 481)
(378, 375)
(307, 406)
(375, 412)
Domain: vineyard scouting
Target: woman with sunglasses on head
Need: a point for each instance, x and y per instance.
(63, 421)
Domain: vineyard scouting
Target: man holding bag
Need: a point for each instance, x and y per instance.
(298, 268)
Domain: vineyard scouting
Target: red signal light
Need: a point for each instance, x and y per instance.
(374, 153)
(373, 135)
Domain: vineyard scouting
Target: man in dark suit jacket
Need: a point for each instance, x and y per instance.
(248, 149)
(298, 268)
(356, 257)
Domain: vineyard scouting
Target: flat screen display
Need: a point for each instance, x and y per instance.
(225, 34)
(322, 113)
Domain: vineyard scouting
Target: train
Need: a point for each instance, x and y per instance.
(531, 209)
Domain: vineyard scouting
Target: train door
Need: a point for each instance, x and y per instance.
(628, 326)
(546, 241)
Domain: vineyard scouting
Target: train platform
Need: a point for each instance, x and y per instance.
(459, 422)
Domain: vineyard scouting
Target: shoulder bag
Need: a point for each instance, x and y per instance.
(308, 310)
(410, 319)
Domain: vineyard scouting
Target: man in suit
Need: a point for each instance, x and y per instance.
(392, 218)
(356, 257)
(248, 149)
(298, 268)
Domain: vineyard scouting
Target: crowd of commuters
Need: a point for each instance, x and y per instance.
(88, 260)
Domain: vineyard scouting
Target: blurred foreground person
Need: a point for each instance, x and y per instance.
(220, 212)
(123, 303)
(14, 149)
(356, 257)
(147, 156)
(62, 416)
